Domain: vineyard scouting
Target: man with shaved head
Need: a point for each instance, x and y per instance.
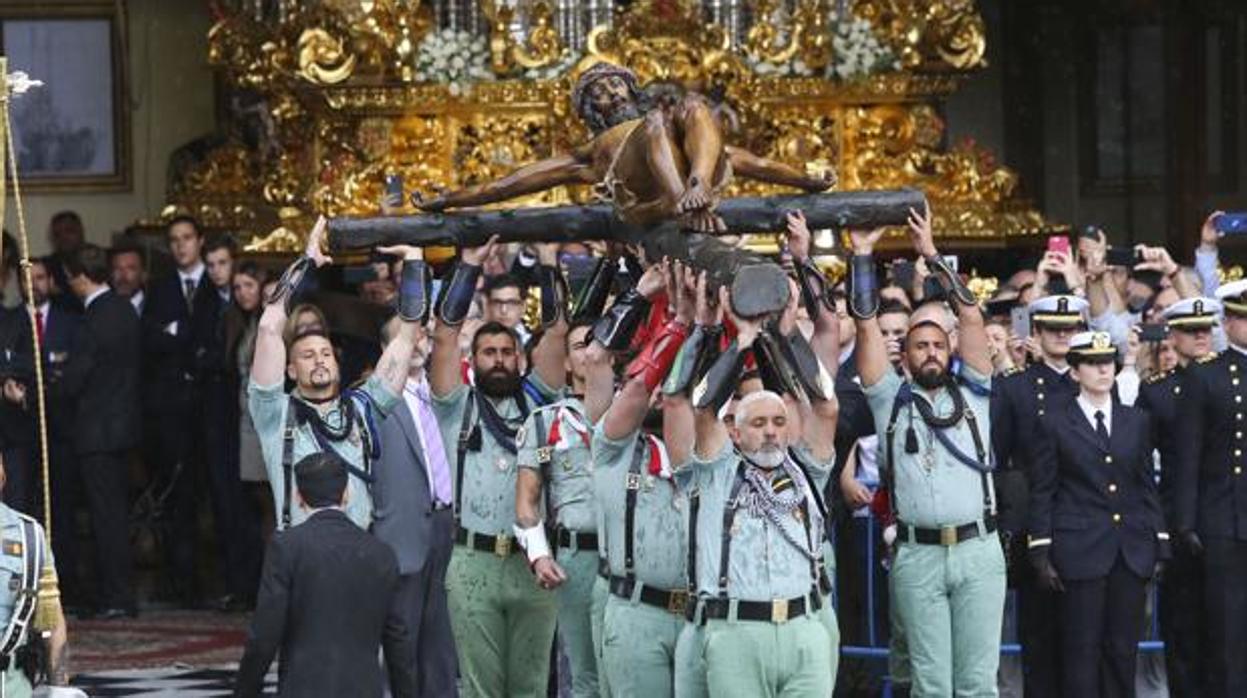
(759, 542)
(948, 572)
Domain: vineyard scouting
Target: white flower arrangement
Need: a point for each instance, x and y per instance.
(556, 69)
(857, 51)
(455, 58)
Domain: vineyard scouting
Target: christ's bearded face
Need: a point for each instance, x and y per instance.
(609, 101)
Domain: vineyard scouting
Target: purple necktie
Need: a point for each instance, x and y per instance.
(434, 453)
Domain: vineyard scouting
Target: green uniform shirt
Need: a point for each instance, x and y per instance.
(268, 406)
(932, 488)
(487, 503)
(569, 472)
(763, 564)
(660, 522)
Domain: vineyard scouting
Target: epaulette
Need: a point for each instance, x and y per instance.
(1158, 377)
(1012, 371)
(1206, 358)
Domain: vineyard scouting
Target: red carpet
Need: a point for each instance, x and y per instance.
(157, 639)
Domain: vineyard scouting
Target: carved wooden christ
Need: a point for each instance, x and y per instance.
(654, 162)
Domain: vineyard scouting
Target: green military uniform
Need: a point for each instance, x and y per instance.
(269, 406)
(948, 577)
(25, 554)
(642, 519)
(759, 555)
(503, 623)
(555, 442)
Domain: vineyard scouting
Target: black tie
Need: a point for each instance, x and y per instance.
(1100, 430)
(189, 285)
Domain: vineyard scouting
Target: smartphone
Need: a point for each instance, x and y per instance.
(1059, 243)
(1153, 332)
(1230, 223)
(903, 274)
(954, 263)
(1121, 257)
(1020, 322)
(1000, 307)
(394, 191)
(1148, 277)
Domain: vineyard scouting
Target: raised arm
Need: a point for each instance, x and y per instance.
(649, 368)
(545, 174)
(872, 351)
(414, 289)
(452, 310)
(269, 365)
(678, 421)
(1158, 259)
(550, 354)
(975, 348)
(720, 382)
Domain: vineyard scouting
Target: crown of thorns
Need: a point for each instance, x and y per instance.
(600, 71)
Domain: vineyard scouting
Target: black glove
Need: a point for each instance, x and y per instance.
(1045, 572)
(1191, 542)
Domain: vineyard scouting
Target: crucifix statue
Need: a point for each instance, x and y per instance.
(654, 160)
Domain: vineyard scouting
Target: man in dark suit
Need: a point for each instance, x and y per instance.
(413, 513)
(237, 530)
(327, 601)
(102, 379)
(66, 235)
(57, 324)
(178, 317)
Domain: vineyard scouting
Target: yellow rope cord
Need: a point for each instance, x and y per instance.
(24, 244)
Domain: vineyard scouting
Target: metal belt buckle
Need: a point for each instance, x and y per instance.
(502, 546)
(544, 455)
(677, 602)
(633, 482)
(779, 611)
(948, 535)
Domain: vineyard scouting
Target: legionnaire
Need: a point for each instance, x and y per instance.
(502, 622)
(28, 602)
(1097, 534)
(760, 523)
(1018, 400)
(554, 457)
(1210, 492)
(643, 513)
(1181, 608)
(949, 570)
(318, 415)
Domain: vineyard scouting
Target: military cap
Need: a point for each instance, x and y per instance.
(1092, 345)
(1058, 311)
(1192, 314)
(1233, 297)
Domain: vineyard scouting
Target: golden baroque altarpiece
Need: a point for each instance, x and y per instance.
(339, 100)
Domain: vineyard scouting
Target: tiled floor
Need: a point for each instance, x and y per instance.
(150, 683)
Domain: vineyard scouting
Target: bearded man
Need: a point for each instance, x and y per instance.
(654, 163)
(503, 623)
(319, 415)
(949, 572)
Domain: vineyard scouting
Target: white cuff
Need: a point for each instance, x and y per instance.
(1038, 542)
(533, 541)
(1162, 536)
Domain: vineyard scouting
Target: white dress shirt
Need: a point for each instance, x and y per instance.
(1089, 410)
(95, 294)
(137, 301)
(195, 274)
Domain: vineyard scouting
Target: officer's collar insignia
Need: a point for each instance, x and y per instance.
(13, 547)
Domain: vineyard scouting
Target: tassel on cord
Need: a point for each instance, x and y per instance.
(48, 608)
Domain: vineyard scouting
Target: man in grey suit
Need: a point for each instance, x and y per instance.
(413, 513)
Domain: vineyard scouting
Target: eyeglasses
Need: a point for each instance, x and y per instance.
(506, 302)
